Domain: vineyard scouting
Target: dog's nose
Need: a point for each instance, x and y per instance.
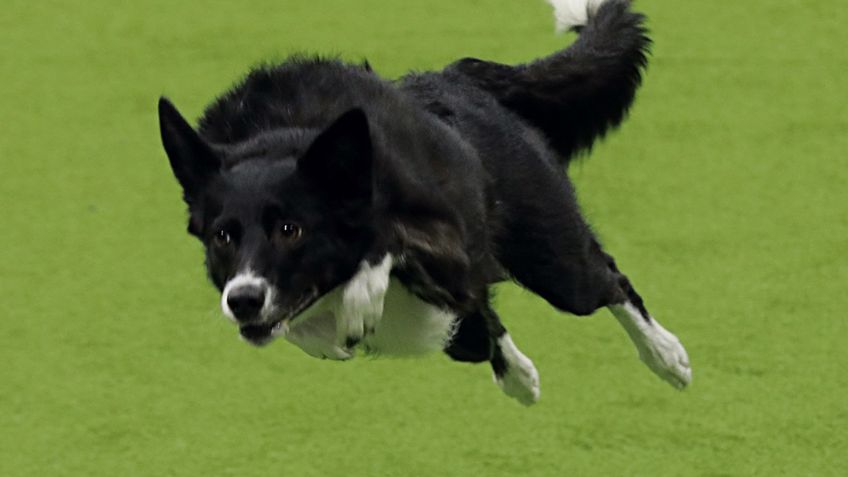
(246, 302)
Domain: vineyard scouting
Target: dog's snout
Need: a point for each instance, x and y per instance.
(246, 302)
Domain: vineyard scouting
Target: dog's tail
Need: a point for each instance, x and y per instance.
(577, 94)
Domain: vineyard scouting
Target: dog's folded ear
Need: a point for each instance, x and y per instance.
(340, 158)
(192, 160)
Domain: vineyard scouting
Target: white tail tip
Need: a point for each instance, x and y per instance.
(573, 13)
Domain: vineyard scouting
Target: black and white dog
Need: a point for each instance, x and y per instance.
(345, 212)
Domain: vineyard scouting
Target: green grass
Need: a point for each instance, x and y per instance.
(723, 197)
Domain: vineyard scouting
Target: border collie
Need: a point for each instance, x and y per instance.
(350, 214)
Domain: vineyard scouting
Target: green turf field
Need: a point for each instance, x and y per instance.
(724, 197)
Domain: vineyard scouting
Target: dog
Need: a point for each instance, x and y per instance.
(351, 214)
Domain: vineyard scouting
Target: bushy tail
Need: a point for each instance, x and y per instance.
(578, 94)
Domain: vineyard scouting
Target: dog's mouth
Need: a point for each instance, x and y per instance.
(260, 334)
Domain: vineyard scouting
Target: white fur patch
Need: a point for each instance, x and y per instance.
(362, 301)
(400, 323)
(247, 277)
(573, 13)
(660, 350)
(409, 325)
(521, 380)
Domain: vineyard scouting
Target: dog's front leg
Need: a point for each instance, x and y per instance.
(362, 302)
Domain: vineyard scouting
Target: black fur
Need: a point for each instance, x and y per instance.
(459, 172)
(578, 94)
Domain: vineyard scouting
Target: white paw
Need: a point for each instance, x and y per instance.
(316, 336)
(663, 353)
(521, 380)
(362, 303)
(660, 350)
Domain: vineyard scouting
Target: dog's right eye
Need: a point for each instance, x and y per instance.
(223, 238)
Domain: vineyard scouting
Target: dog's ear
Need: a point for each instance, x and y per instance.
(192, 160)
(340, 158)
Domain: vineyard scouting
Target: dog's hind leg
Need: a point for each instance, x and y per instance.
(549, 249)
(659, 349)
(482, 337)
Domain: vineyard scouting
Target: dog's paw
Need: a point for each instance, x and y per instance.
(520, 383)
(362, 303)
(333, 353)
(359, 315)
(659, 349)
(519, 380)
(316, 337)
(663, 353)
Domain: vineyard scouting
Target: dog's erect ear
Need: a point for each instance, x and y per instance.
(340, 158)
(192, 160)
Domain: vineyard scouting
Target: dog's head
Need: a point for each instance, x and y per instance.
(285, 217)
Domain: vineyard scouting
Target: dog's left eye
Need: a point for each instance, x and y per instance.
(290, 232)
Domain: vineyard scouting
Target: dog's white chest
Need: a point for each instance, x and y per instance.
(408, 326)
